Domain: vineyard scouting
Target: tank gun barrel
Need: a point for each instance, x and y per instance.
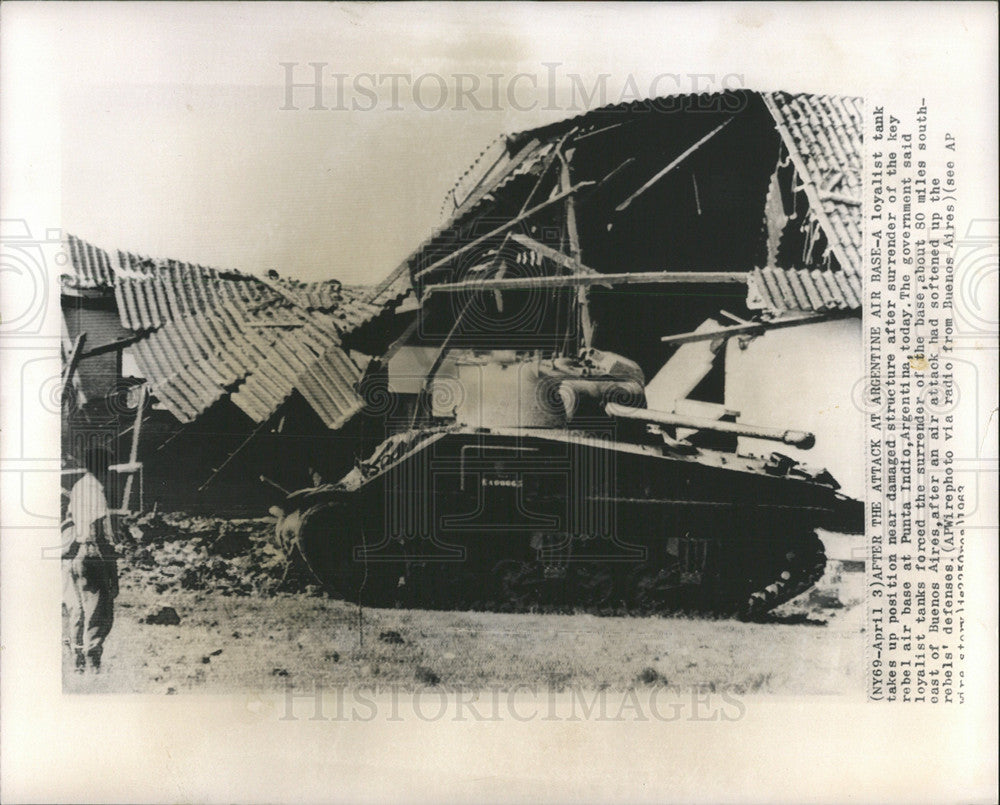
(795, 438)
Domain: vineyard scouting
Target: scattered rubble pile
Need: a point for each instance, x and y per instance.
(171, 552)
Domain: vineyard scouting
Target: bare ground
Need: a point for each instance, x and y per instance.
(239, 636)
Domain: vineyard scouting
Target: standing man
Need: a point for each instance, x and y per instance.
(89, 562)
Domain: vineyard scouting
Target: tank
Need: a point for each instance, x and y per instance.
(575, 496)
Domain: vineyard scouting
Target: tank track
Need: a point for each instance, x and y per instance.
(667, 586)
(804, 566)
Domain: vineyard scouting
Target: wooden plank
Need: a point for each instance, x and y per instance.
(500, 230)
(751, 328)
(75, 353)
(556, 256)
(546, 167)
(588, 280)
(113, 346)
(688, 152)
(585, 325)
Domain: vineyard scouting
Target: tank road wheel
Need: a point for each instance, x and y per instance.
(803, 565)
(458, 587)
(520, 584)
(655, 587)
(328, 538)
(593, 585)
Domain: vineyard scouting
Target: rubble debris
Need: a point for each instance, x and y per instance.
(425, 676)
(173, 551)
(650, 676)
(167, 616)
(825, 599)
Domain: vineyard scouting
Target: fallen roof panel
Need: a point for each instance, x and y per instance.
(778, 290)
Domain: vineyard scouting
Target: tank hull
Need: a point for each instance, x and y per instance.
(541, 519)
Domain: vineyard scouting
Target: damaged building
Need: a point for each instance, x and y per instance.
(624, 325)
(713, 239)
(202, 380)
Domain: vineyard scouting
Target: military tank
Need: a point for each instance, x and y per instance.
(569, 494)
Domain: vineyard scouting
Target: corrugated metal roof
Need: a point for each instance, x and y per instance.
(89, 267)
(780, 290)
(192, 362)
(328, 385)
(823, 133)
(617, 113)
(510, 178)
(211, 333)
(145, 303)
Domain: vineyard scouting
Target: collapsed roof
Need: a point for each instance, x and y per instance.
(204, 333)
(807, 155)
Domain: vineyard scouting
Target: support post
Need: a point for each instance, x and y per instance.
(73, 360)
(500, 230)
(133, 453)
(585, 326)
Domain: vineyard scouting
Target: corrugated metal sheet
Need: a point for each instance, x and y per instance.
(513, 179)
(780, 290)
(212, 333)
(824, 134)
(151, 302)
(328, 385)
(258, 358)
(89, 267)
(193, 361)
(618, 113)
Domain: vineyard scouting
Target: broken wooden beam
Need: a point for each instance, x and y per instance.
(750, 328)
(673, 164)
(504, 228)
(559, 258)
(590, 279)
(75, 353)
(112, 346)
(133, 455)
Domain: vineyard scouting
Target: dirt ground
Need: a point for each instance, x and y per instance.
(242, 629)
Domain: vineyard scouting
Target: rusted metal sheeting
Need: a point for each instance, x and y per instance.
(328, 385)
(823, 133)
(89, 267)
(778, 290)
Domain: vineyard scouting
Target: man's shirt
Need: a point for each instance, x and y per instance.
(87, 505)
